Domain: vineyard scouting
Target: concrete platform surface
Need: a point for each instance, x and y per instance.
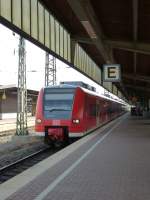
(112, 164)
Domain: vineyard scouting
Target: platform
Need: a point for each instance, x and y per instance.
(111, 164)
(10, 124)
(8, 130)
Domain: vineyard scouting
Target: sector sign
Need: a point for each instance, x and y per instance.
(111, 73)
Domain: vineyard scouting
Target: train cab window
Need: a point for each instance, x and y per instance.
(58, 105)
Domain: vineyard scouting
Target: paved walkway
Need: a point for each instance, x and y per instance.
(113, 164)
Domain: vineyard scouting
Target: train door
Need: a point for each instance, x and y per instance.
(91, 112)
(88, 113)
(101, 113)
(97, 112)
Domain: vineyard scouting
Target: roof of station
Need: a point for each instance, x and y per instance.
(115, 31)
(13, 89)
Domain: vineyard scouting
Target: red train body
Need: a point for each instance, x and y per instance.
(67, 111)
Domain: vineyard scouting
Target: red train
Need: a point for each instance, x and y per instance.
(72, 111)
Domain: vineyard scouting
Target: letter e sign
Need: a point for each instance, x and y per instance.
(111, 73)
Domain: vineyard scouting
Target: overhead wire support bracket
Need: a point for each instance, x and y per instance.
(50, 70)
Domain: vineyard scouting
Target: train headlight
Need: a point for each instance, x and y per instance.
(38, 121)
(76, 121)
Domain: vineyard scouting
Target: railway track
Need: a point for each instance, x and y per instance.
(13, 169)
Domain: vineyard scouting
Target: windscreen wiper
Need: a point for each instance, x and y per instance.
(58, 109)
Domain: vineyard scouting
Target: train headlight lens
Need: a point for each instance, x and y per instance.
(38, 121)
(76, 121)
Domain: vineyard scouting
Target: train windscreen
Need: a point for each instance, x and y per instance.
(58, 103)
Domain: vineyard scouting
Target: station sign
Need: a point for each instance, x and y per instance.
(112, 73)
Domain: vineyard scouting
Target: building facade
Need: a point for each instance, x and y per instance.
(8, 101)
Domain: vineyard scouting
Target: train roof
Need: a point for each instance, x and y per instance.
(69, 86)
(62, 86)
(100, 95)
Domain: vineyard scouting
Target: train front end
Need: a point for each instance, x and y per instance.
(54, 113)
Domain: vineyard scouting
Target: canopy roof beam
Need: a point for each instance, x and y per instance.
(90, 23)
(137, 47)
(137, 77)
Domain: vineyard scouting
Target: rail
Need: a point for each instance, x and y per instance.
(11, 170)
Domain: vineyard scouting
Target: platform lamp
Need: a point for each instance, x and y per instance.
(4, 95)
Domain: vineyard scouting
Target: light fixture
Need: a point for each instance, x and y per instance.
(87, 25)
(76, 121)
(38, 121)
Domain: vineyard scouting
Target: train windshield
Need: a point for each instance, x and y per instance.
(58, 103)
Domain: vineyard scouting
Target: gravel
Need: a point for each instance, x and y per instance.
(19, 147)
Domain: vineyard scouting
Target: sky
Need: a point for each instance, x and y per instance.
(35, 61)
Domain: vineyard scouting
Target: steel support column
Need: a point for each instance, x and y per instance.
(21, 128)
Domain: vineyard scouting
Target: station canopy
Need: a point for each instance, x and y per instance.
(109, 31)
